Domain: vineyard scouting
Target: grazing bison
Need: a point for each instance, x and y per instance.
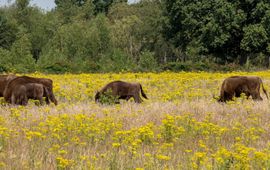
(17, 82)
(122, 90)
(27, 91)
(4, 79)
(235, 85)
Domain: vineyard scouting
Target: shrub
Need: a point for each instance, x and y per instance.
(147, 62)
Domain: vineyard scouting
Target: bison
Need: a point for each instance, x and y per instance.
(17, 82)
(4, 79)
(122, 90)
(27, 91)
(235, 85)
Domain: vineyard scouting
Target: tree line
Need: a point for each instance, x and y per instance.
(149, 35)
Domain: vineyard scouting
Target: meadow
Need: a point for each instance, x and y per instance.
(181, 126)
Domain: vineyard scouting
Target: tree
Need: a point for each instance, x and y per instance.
(99, 6)
(116, 61)
(137, 28)
(77, 45)
(147, 62)
(22, 12)
(21, 58)
(61, 3)
(7, 32)
(5, 60)
(226, 29)
(125, 35)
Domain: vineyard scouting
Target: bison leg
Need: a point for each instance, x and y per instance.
(52, 98)
(47, 100)
(125, 97)
(137, 98)
(128, 97)
(238, 93)
(13, 100)
(40, 99)
(256, 96)
(247, 94)
(22, 100)
(228, 96)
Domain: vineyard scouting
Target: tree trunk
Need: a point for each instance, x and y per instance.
(243, 59)
(267, 60)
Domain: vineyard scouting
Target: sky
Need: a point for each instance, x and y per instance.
(43, 4)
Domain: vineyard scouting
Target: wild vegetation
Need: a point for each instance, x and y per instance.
(150, 35)
(181, 126)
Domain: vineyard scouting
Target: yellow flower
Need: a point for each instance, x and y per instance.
(116, 145)
(163, 157)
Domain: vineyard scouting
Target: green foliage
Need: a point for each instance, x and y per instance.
(97, 6)
(125, 33)
(22, 60)
(200, 66)
(176, 66)
(147, 62)
(108, 99)
(114, 36)
(19, 58)
(61, 3)
(79, 44)
(230, 29)
(102, 25)
(5, 60)
(7, 32)
(53, 62)
(116, 61)
(255, 38)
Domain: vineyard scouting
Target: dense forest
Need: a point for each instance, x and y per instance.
(150, 35)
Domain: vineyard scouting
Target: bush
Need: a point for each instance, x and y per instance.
(116, 61)
(5, 60)
(108, 98)
(176, 66)
(147, 62)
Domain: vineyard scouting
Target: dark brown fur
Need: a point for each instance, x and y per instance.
(15, 83)
(4, 79)
(123, 90)
(27, 91)
(235, 85)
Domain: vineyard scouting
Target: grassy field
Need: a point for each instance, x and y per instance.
(181, 126)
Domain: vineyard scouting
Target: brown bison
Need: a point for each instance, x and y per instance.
(27, 91)
(235, 85)
(122, 90)
(4, 79)
(17, 82)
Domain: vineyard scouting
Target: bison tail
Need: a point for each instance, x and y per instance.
(265, 92)
(143, 94)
